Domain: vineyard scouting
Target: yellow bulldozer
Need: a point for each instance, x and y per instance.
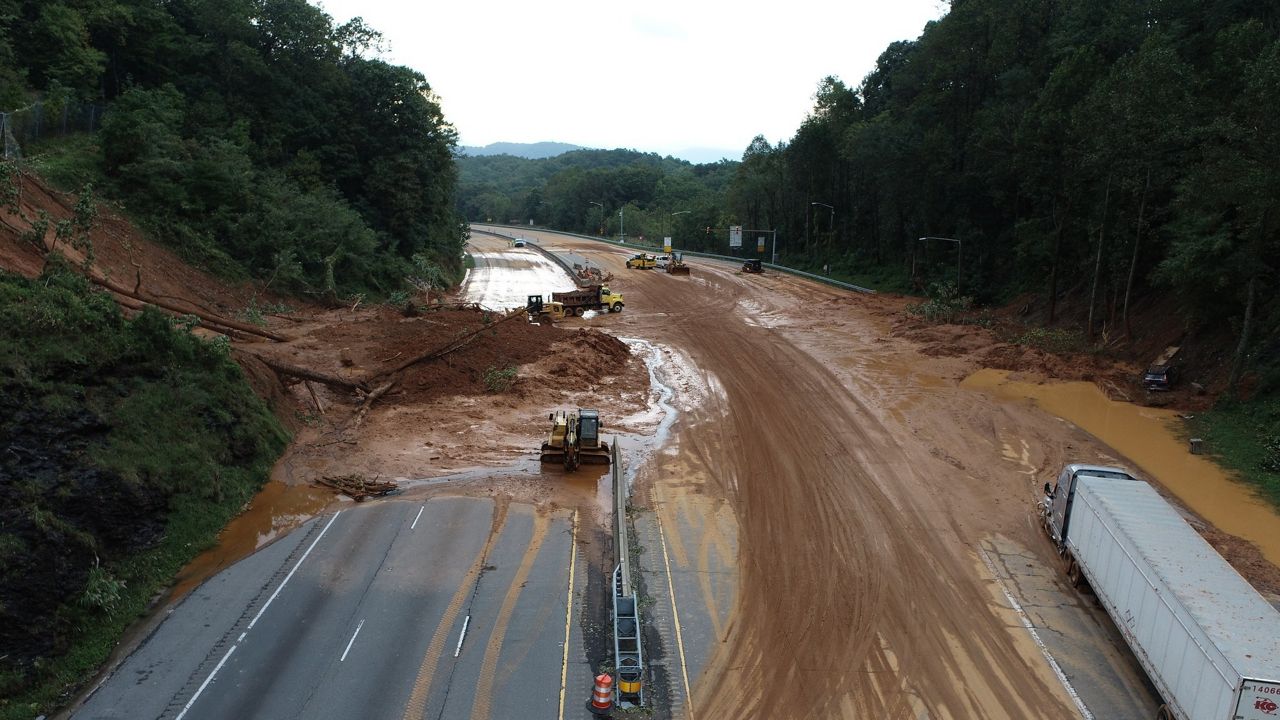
(575, 439)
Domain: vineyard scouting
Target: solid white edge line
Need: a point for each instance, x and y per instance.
(1026, 623)
(240, 639)
(415, 520)
(675, 616)
(291, 572)
(568, 614)
(351, 642)
(205, 684)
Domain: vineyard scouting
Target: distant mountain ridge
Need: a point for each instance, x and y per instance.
(532, 151)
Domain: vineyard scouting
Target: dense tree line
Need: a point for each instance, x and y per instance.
(252, 134)
(1098, 150)
(604, 192)
(1095, 148)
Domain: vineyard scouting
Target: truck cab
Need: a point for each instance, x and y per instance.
(1057, 499)
(611, 300)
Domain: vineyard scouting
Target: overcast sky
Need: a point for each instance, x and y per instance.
(697, 79)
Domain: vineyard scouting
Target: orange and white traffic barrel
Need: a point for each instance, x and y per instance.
(602, 696)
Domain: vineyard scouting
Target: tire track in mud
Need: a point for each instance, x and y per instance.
(857, 591)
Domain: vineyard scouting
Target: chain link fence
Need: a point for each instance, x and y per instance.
(46, 118)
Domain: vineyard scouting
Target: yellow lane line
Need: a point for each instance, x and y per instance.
(675, 614)
(480, 707)
(568, 613)
(417, 705)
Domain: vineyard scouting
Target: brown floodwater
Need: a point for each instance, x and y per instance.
(275, 510)
(1147, 437)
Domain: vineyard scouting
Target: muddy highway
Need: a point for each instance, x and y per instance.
(827, 524)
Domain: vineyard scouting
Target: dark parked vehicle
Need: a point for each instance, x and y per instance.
(1161, 375)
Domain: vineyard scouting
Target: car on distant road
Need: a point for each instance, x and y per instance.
(518, 242)
(661, 262)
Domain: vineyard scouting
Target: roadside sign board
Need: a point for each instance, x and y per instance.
(735, 236)
(666, 244)
(760, 244)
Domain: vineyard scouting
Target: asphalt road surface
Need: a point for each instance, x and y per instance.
(359, 614)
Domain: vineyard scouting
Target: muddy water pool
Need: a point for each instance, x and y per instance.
(1149, 438)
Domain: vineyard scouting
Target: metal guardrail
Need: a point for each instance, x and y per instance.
(628, 655)
(708, 256)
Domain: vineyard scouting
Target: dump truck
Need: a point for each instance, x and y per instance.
(590, 297)
(1207, 640)
(575, 439)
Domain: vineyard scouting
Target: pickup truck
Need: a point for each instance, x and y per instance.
(1207, 640)
(643, 261)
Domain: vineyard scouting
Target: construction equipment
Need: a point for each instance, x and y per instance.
(544, 312)
(676, 265)
(643, 261)
(590, 297)
(575, 439)
(753, 266)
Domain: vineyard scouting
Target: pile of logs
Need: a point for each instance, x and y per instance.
(357, 487)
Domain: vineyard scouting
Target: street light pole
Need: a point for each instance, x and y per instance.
(622, 233)
(664, 224)
(593, 202)
(959, 256)
(833, 214)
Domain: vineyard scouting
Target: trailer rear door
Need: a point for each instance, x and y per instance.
(1259, 700)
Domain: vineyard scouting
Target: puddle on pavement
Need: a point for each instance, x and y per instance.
(275, 510)
(1146, 437)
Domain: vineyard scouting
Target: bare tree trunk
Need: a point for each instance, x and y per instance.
(1246, 330)
(1053, 270)
(1133, 262)
(1097, 263)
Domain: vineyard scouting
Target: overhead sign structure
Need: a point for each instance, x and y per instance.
(666, 244)
(735, 236)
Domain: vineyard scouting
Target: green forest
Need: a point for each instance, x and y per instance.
(257, 137)
(263, 143)
(1095, 150)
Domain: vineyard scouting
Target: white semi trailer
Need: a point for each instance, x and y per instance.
(1208, 641)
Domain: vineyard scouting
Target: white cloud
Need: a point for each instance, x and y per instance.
(660, 76)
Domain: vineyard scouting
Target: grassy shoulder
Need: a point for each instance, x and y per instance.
(127, 445)
(1245, 437)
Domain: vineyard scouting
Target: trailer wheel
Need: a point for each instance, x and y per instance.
(1074, 575)
(578, 311)
(1164, 713)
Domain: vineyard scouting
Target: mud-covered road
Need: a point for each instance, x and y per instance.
(861, 481)
(828, 524)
